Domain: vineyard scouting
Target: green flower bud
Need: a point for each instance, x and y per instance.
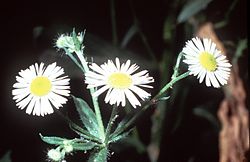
(67, 42)
(68, 148)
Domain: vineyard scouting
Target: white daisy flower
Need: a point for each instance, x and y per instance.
(38, 88)
(120, 82)
(206, 61)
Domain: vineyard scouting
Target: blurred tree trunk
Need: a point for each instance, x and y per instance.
(233, 113)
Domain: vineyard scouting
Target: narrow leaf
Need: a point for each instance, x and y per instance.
(191, 8)
(52, 140)
(115, 137)
(83, 133)
(99, 156)
(87, 116)
(201, 112)
(121, 125)
(242, 45)
(164, 98)
(75, 40)
(81, 146)
(136, 143)
(129, 35)
(6, 157)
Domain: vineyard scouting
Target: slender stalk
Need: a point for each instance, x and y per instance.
(76, 62)
(154, 99)
(94, 99)
(176, 68)
(112, 118)
(170, 84)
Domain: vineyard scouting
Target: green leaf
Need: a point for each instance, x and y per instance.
(164, 98)
(77, 43)
(121, 125)
(201, 112)
(83, 133)
(87, 116)
(117, 137)
(241, 46)
(191, 8)
(80, 131)
(99, 155)
(52, 140)
(83, 146)
(136, 143)
(6, 157)
(168, 27)
(129, 35)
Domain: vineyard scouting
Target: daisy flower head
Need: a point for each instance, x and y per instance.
(120, 80)
(39, 88)
(206, 62)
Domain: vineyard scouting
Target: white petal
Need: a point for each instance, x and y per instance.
(107, 97)
(117, 61)
(22, 104)
(132, 99)
(199, 44)
(62, 92)
(214, 80)
(220, 79)
(97, 68)
(208, 80)
(20, 96)
(37, 108)
(101, 90)
(140, 92)
(30, 106)
(202, 75)
(125, 67)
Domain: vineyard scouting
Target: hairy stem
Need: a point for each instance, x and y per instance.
(94, 99)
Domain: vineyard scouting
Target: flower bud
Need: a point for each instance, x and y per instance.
(67, 146)
(54, 155)
(66, 42)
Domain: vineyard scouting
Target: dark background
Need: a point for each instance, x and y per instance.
(20, 49)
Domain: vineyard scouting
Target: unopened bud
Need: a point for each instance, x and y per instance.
(54, 155)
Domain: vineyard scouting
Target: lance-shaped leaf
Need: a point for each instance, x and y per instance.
(52, 140)
(99, 155)
(83, 133)
(116, 137)
(83, 146)
(191, 8)
(6, 157)
(87, 116)
(120, 127)
(77, 43)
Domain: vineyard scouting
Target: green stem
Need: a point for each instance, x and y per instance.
(176, 68)
(110, 123)
(154, 99)
(94, 99)
(76, 62)
(170, 84)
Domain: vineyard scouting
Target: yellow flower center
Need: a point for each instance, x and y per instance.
(40, 86)
(119, 80)
(208, 61)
